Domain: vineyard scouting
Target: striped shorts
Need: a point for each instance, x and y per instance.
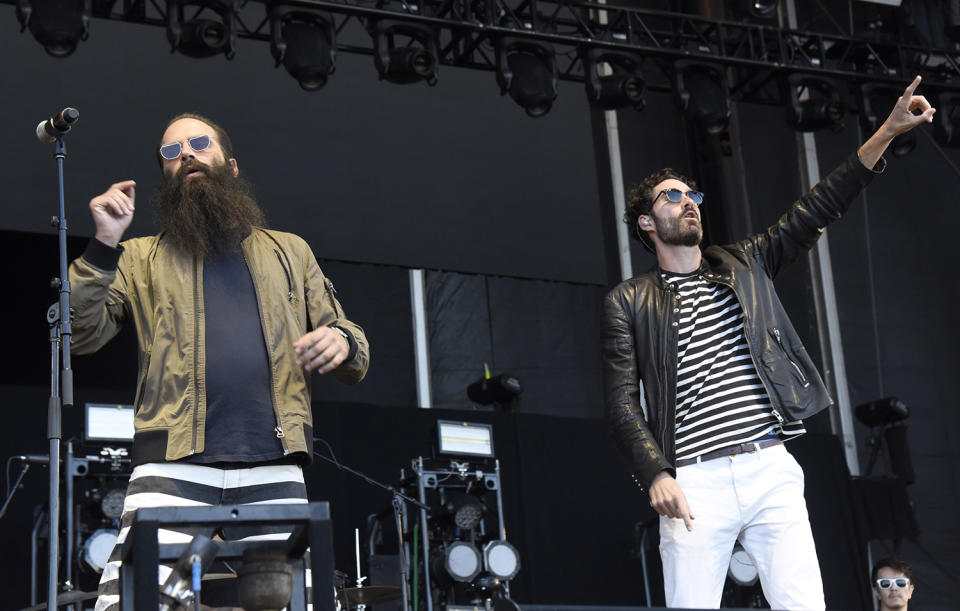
(189, 485)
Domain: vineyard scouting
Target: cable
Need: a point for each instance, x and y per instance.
(13, 490)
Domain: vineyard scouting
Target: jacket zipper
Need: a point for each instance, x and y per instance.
(674, 302)
(196, 352)
(290, 295)
(803, 378)
(278, 430)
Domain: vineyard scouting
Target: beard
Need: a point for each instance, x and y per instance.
(674, 232)
(209, 214)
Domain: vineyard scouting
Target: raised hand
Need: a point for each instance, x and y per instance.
(900, 121)
(902, 118)
(112, 211)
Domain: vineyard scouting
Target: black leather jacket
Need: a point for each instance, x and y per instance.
(640, 328)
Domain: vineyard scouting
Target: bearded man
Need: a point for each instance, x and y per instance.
(705, 378)
(231, 320)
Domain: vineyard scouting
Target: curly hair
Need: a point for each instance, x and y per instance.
(221, 135)
(640, 199)
(893, 562)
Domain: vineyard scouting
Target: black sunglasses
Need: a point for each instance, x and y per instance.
(900, 582)
(675, 196)
(173, 150)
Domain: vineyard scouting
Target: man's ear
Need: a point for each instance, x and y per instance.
(644, 221)
(233, 164)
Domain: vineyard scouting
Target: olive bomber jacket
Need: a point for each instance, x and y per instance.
(160, 290)
(639, 328)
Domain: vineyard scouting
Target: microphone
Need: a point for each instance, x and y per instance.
(54, 127)
(37, 459)
(183, 584)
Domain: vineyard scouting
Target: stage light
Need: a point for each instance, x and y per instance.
(501, 390)
(821, 108)
(882, 411)
(742, 570)
(461, 561)
(527, 70)
(501, 559)
(97, 548)
(201, 37)
(464, 438)
(876, 101)
(700, 90)
(621, 85)
(946, 123)
(58, 25)
(405, 52)
(464, 509)
(888, 417)
(304, 41)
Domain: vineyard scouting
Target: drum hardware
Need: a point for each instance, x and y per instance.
(398, 504)
(370, 595)
(265, 579)
(141, 553)
(65, 598)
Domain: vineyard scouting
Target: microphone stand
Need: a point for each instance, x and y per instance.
(398, 497)
(61, 380)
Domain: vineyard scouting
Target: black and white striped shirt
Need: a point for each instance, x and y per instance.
(720, 399)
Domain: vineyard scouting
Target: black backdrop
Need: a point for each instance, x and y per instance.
(457, 178)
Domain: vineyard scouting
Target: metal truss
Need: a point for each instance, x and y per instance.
(757, 57)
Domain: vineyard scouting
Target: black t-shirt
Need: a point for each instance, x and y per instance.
(241, 422)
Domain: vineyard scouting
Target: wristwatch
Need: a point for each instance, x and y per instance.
(345, 335)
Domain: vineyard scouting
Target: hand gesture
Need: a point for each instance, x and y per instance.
(668, 499)
(322, 349)
(902, 119)
(112, 211)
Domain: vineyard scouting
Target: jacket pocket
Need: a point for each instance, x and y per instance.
(141, 382)
(789, 385)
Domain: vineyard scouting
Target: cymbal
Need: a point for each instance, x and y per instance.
(369, 595)
(65, 598)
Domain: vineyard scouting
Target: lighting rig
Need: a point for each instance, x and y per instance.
(465, 558)
(529, 53)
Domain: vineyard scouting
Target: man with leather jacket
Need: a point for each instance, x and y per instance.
(705, 378)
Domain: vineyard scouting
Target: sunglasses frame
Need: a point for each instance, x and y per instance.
(189, 142)
(693, 195)
(893, 582)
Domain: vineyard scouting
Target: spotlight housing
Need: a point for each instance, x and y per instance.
(501, 559)
(201, 37)
(58, 25)
(824, 108)
(527, 70)
(700, 90)
(755, 9)
(465, 510)
(888, 410)
(305, 42)
(946, 123)
(623, 87)
(461, 560)
(405, 63)
(876, 97)
(502, 390)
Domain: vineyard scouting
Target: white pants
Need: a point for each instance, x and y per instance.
(756, 498)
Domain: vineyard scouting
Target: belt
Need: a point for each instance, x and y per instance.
(740, 448)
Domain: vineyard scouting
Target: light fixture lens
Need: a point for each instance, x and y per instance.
(462, 561)
(502, 559)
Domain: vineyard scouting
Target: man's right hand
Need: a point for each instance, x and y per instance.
(668, 499)
(112, 211)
